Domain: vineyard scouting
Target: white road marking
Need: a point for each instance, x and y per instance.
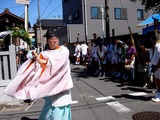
(105, 98)
(138, 94)
(118, 107)
(74, 102)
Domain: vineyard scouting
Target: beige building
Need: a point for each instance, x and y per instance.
(83, 18)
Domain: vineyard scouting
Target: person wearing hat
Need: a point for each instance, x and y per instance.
(47, 76)
(57, 106)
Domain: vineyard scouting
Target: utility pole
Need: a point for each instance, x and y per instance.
(107, 19)
(26, 3)
(85, 21)
(26, 17)
(40, 25)
(102, 13)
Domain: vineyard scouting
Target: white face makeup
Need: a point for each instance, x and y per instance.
(53, 42)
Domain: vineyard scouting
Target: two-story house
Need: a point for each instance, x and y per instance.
(85, 19)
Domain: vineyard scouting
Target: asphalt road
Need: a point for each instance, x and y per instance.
(95, 99)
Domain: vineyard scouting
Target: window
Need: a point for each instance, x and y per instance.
(120, 13)
(140, 15)
(95, 13)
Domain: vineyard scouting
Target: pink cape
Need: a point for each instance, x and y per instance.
(31, 82)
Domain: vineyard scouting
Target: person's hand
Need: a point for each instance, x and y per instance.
(35, 55)
(39, 60)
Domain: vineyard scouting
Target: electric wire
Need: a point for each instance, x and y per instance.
(54, 10)
(46, 8)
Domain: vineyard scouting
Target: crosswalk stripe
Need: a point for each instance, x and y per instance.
(118, 107)
(74, 102)
(105, 98)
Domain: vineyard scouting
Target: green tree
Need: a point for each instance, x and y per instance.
(21, 33)
(150, 5)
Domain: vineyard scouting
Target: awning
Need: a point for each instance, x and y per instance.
(150, 20)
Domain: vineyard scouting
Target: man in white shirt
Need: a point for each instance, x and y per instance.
(77, 53)
(84, 51)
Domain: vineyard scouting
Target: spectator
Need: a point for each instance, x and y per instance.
(114, 59)
(77, 53)
(84, 52)
(109, 57)
(120, 57)
(130, 61)
(94, 58)
(155, 61)
(149, 50)
(101, 53)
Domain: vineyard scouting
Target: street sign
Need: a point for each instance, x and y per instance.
(26, 2)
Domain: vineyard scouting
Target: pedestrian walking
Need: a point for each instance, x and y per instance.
(46, 76)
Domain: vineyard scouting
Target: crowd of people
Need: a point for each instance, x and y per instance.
(117, 59)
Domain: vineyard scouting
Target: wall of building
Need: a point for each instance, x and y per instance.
(94, 25)
(121, 26)
(73, 31)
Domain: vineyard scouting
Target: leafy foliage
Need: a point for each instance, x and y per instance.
(150, 5)
(21, 33)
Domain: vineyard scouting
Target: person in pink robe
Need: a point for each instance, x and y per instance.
(47, 76)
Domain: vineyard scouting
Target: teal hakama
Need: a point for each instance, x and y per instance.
(50, 112)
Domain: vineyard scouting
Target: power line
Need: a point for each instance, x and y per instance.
(11, 7)
(46, 8)
(54, 10)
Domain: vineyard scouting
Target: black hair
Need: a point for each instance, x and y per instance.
(50, 33)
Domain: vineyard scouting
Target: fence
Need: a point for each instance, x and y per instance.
(8, 70)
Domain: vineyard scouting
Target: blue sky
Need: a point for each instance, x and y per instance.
(49, 9)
